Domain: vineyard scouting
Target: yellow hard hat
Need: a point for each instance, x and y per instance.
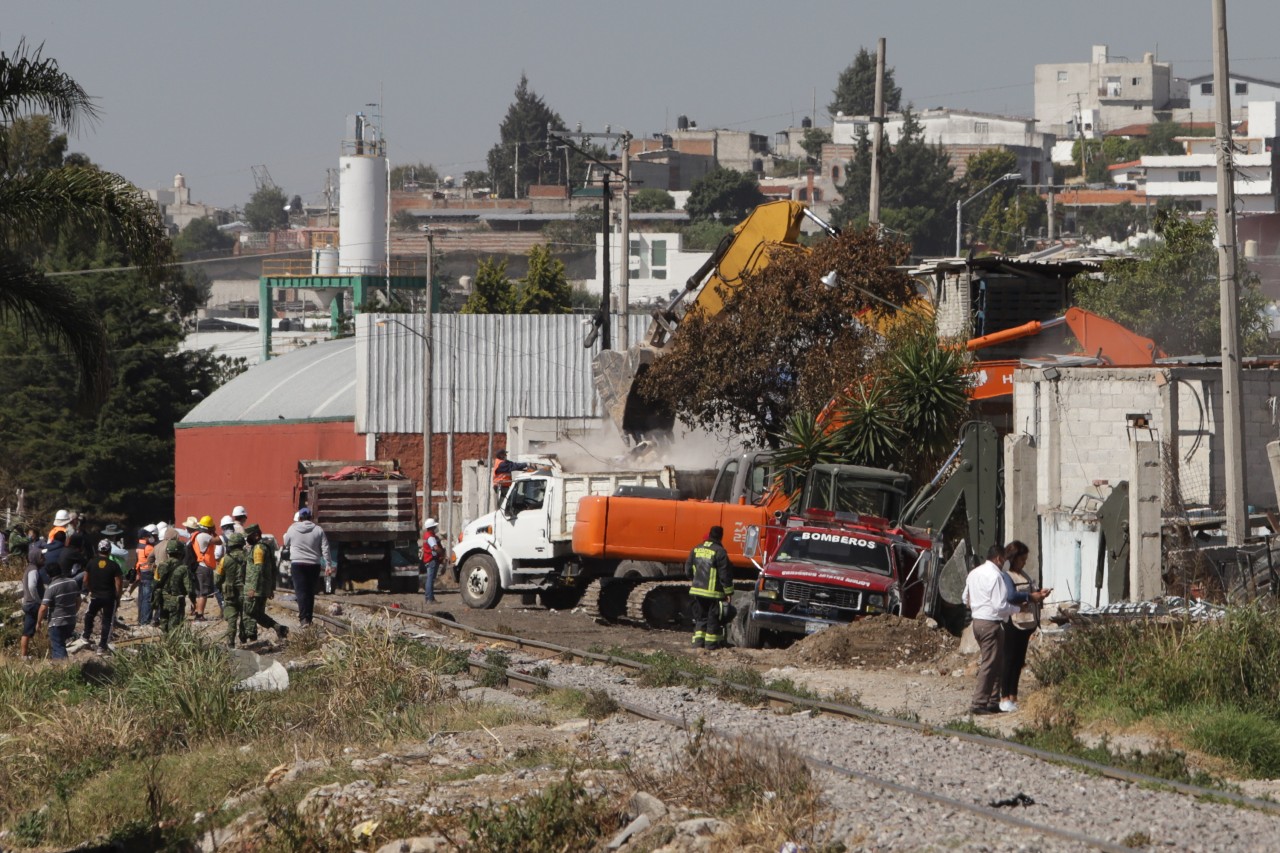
(206, 521)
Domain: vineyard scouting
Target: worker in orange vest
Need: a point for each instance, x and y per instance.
(204, 544)
(502, 469)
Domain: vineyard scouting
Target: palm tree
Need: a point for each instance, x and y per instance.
(36, 204)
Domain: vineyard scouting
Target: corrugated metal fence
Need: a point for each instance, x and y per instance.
(485, 368)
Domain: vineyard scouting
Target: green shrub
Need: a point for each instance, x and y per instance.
(1249, 740)
(563, 819)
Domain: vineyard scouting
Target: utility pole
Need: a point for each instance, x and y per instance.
(606, 339)
(624, 286)
(877, 120)
(1232, 401)
(427, 346)
(602, 322)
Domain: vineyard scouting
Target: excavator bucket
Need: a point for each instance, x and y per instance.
(741, 253)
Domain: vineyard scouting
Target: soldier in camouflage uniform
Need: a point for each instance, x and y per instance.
(173, 583)
(260, 585)
(231, 584)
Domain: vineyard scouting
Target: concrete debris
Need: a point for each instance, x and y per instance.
(642, 803)
(1166, 607)
(258, 673)
(634, 828)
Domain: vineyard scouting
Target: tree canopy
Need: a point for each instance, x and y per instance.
(41, 195)
(201, 235)
(492, 292)
(855, 92)
(545, 288)
(1169, 292)
(266, 209)
(917, 195)
(1006, 214)
(413, 175)
(652, 199)
(784, 342)
(523, 142)
(726, 194)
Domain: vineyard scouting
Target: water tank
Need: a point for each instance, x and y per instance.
(682, 122)
(1251, 249)
(362, 214)
(464, 283)
(806, 122)
(324, 261)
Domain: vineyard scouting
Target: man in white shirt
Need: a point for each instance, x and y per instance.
(992, 599)
(987, 595)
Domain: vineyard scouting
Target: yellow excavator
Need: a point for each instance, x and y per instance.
(771, 227)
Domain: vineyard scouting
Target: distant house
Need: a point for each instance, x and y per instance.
(1191, 178)
(962, 133)
(1243, 91)
(1075, 99)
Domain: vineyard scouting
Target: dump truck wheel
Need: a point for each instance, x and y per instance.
(481, 586)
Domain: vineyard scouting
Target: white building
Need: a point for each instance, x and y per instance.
(1191, 178)
(963, 133)
(1089, 98)
(658, 266)
(1244, 90)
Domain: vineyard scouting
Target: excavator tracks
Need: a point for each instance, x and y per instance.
(647, 602)
(605, 599)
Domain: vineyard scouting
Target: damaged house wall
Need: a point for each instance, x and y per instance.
(1080, 422)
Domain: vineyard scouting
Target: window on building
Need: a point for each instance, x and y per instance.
(1135, 81)
(1242, 88)
(1189, 176)
(981, 126)
(1206, 88)
(1137, 106)
(658, 259)
(1062, 76)
(1113, 87)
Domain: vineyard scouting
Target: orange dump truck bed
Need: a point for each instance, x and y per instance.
(629, 528)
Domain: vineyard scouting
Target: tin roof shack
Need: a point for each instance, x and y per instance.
(1080, 432)
(980, 296)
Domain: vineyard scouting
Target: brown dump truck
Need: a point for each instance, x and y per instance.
(369, 511)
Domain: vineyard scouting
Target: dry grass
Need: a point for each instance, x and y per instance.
(82, 744)
(766, 794)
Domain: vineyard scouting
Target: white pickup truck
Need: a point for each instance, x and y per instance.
(526, 544)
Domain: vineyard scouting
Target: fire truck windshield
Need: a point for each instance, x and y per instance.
(834, 548)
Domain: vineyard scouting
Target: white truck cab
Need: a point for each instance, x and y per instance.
(528, 539)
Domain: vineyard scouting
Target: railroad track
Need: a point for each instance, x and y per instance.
(525, 682)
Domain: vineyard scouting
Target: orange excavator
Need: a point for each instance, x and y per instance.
(1099, 338)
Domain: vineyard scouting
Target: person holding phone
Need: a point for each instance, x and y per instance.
(1021, 625)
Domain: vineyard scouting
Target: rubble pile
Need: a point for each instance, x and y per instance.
(877, 641)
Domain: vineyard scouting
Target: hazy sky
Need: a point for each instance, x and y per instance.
(213, 89)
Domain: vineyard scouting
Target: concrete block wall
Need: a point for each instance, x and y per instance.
(1079, 425)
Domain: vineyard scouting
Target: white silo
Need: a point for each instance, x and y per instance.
(362, 206)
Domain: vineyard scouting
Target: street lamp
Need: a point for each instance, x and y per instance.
(426, 403)
(1011, 176)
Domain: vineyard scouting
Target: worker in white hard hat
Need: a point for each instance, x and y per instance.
(240, 516)
(432, 557)
(61, 521)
